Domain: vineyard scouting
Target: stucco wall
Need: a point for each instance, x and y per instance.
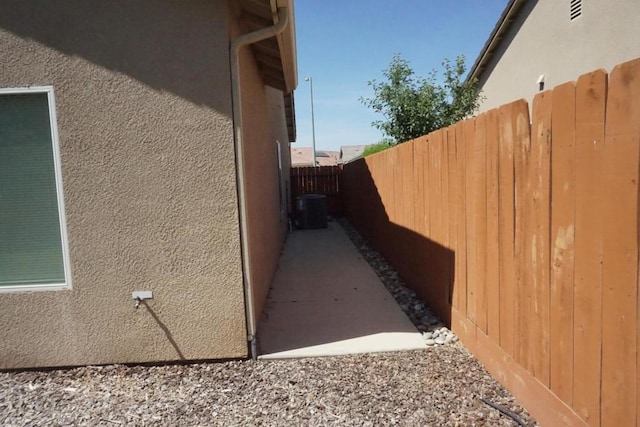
(264, 123)
(146, 135)
(543, 40)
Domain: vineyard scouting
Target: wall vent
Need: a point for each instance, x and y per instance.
(575, 9)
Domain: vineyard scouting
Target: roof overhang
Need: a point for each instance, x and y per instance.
(509, 15)
(276, 56)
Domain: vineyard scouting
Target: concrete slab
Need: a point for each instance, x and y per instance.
(326, 300)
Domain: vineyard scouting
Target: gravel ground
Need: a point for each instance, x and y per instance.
(440, 386)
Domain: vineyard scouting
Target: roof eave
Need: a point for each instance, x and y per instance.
(287, 45)
(502, 26)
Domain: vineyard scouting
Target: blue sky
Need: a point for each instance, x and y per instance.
(343, 44)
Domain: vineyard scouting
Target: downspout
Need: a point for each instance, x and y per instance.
(236, 45)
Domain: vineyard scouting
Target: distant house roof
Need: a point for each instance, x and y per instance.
(302, 156)
(509, 15)
(350, 152)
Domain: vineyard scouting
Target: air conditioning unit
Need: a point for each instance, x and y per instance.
(312, 211)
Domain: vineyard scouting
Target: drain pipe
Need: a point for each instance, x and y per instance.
(236, 45)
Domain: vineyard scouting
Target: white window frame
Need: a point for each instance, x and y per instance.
(57, 165)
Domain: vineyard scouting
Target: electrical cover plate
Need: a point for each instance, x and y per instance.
(142, 295)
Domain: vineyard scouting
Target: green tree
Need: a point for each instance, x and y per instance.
(413, 106)
(376, 148)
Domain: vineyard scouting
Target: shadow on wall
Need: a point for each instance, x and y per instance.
(166, 330)
(175, 46)
(424, 265)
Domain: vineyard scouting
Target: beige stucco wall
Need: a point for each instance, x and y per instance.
(544, 40)
(146, 135)
(263, 118)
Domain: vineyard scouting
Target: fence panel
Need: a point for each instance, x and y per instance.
(460, 283)
(509, 118)
(541, 220)
(563, 159)
(493, 283)
(453, 191)
(591, 92)
(540, 177)
(318, 180)
(620, 261)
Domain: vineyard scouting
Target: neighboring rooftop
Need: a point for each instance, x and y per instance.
(349, 153)
(302, 156)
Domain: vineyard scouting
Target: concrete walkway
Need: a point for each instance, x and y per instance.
(326, 300)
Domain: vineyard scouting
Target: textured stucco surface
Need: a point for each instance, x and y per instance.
(543, 40)
(267, 228)
(146, 136)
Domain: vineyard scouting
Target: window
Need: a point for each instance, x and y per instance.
(33, 247)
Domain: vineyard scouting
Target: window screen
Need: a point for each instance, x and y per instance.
(31, 251)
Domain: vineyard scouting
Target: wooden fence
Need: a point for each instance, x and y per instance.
(318, 180)
(525, 237)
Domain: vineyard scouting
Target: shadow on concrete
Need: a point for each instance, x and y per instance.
(327, 300)
(424, 265)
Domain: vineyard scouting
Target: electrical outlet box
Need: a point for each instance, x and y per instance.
(141, 295)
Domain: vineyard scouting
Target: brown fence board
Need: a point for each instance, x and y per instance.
(479, 275)
(395, 193)
(620, 261)
(563, 202)
(434, 270)
(469, 129)
(461, 253)
(421, 213)
(589, 138)
(408, 248)
(418, 186)
(406, 160)
(446, 219)
(385, 186)
(472, 219)
(509, 115)
(492, 256)
(540, 245)
(434, 186)
(454, 190)
(427, 185)
(444, 186)
(522, 239)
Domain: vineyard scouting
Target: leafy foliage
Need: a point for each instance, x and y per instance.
(414, 106)
(376, 148)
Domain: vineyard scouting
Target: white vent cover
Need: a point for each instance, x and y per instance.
(575, 9)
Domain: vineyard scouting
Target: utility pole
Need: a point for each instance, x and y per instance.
(313, 125)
